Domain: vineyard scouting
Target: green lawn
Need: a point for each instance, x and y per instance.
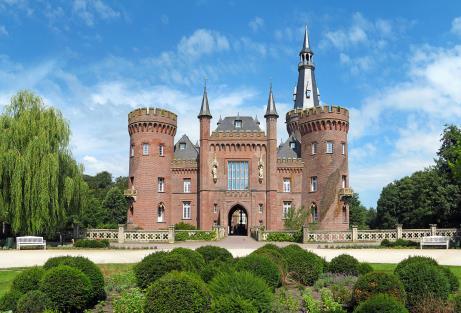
(6, 278)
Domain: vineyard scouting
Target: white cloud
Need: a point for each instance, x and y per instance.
(356, 65)
(456, 26)
(202, 42)
(256, 24)
(89, 10)
(3, 31)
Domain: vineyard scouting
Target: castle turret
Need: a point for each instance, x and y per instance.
(152, 131)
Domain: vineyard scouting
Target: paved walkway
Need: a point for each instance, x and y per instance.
(238, 246)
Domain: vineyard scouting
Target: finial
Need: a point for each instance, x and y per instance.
(205, 108)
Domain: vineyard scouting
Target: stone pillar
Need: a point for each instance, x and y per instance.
(260, 233)
(399, 231)
(305, 234)
(171, 234)
(433, 229)
(354, 233)
(121, 233)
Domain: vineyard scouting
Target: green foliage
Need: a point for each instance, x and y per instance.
(214, 267)
(211, 253)
(262, 266)
(449, 161)
(41, 185)
(90, 243)
(131, 301)
(365, 268)
(120, 282)
(457, 303)
(303, 266)
(328, 303)
(116, 205)
(196, 235)
(373, 283)
(452, 279)
(310, 303)
(296, 218)
(398, 243)
(88, 268)
(274, 253)
(357, 212)
(33, 301)
(68, 289)
(178, 292)
(284, 302)
(381, 303)
(225, 304)
(196, 260)
(28, 280)
(281, 236)
(340, 286)
(244, 285)
(344, 264)
(9, 300)
(157, 264)
(414, 259)
(184, 226)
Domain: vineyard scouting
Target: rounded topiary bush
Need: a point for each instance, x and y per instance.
(262, 266)
(274, 253)
(344, 264)
(88, 268)
(28, 280)
(231, 305)
(373, 283)
(452, 279)
(415, 259)
(9, 300)
(457, 302)
(381, 303)
(212, 268)
(423, 280)
(365, 268)
(195, 259)
(178, 292)
(68, 289)
(155, 265)
(304, 267)
(34, 301)
(244, 285)
(211, 253)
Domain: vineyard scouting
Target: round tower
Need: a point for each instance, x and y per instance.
(152, 132)
(323, 131)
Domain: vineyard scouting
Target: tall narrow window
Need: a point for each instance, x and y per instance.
(343, 148)
(329, 147)
(186, 183)
(314, 183)
(161, 150)
(313, 148)
(344, 181)
(286, 185)
(186, 214)
(145, 149)
(261, 207)
(215, 208)
(161, 184)
(237, 175)
(161, 213)
(286, 209)
(132, 151)
(314, 212)
(345, 214)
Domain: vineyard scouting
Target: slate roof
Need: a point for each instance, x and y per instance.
(190, 152)
(285, 151)
(248, 124)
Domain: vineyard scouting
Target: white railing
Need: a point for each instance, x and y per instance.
(147, 236)
(109, 234)
(415, 234)
(328, 236)
(376, 235)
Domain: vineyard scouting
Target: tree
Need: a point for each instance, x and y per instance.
(296, 218)
(116, 205)
(41, 185)
(357, 212)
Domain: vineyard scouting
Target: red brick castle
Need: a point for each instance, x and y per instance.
(237, 176)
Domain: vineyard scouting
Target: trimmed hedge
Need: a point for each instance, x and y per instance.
(381, 303)
(365, 268)
(34, 301)
(413, 259)
(68, 289)
(374, 283)
(156, 265)
(88, 268)
(303, 266)
(398, 243)
(93, 244)
(184, 226)
(244, 285)
(212, 268)
(211, 253)
(276, 256)
(232, 305)
(196, 260)
(344, 264)
(28, 280)
(178, 292)
(10, 300)
(262, 266)
(452, 279)
(197, 235)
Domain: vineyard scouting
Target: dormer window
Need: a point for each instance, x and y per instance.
(238, 123)
(293, 145)
(182, 146)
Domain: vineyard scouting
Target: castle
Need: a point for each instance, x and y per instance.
(237, 176)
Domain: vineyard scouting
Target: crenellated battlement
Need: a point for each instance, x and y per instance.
(152, 119)
(318, 111)
(318, 118)
(151, 112)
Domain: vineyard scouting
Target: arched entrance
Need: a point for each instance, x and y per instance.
(238, 221)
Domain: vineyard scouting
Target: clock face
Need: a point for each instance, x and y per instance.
(308, 93)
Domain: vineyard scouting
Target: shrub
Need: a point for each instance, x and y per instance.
(273, 252)
(9, 300)
(178, 292)
(211, 253)
(88, 268)
(131, 301)
(422, 280)
(184, 226)
(197, 262)
(381, 303)
(212, 268)
(33, 301)
(344, 264)
(310, 303)
(156, 265)
(304, 267)
(67, 288)
(120, 282)
(90, 243)
(28, 280)
(433, 305)
(281, 236)
(196, 235)
(415, 259)
(365, 268)
(262, 266)
(285, 302)
(452, 279)
(340, 285)
(457, 303)
(244, 285)
(373, 283)
(385, 243)
(235, 305)
(329, 304)
(398, 243)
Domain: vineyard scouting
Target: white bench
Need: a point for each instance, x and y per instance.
(434, 241)
(30, 241)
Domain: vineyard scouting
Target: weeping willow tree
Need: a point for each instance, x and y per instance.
(41, 185)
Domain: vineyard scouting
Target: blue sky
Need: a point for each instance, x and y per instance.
(396, 65)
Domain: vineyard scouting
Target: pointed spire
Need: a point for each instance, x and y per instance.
(271, 110)
(220, 120)
(306, 45)
(205, 109)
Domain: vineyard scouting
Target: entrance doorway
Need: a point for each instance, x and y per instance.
(238, 221)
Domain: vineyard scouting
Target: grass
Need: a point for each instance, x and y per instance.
(6, 279)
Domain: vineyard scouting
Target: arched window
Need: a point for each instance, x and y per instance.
(161, 213)
(314, 212)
